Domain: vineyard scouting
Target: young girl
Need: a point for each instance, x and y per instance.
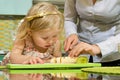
(37, 39)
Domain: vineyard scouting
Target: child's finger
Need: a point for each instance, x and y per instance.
(30, 62)
(40, 61)
(34, 61)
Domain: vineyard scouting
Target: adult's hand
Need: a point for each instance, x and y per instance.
(70, 42)
(84, 48)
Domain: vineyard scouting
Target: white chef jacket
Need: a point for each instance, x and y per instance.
(97, 23)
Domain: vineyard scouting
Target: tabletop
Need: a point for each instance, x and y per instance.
(75, 74)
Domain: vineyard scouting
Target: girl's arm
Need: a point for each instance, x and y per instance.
(16, 53)
(17, 57)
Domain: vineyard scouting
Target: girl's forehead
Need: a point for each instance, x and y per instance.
(48, 31)
(52, 29)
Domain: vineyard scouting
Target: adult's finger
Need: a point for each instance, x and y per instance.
(73, 43)
(67, 44)
(78, 49)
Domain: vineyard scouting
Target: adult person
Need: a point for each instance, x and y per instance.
(92, 27)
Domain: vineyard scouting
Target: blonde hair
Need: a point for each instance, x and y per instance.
(41, 16)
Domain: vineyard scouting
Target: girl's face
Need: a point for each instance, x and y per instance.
(45, 38)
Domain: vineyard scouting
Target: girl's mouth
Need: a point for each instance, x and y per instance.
(47, 46)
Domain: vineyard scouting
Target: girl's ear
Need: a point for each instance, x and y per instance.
(29, 32)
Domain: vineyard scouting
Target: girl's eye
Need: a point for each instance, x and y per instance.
(45, 38)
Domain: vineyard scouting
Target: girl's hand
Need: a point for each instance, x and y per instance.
(84, 48)
(33, 60)
(70, 42)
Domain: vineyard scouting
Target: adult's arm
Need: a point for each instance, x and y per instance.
(110, 45)
(70, 17)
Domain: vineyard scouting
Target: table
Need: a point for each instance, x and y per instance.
(73, 74)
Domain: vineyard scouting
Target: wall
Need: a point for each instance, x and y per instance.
(8, 25)
(14, 7)
(11, 12)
